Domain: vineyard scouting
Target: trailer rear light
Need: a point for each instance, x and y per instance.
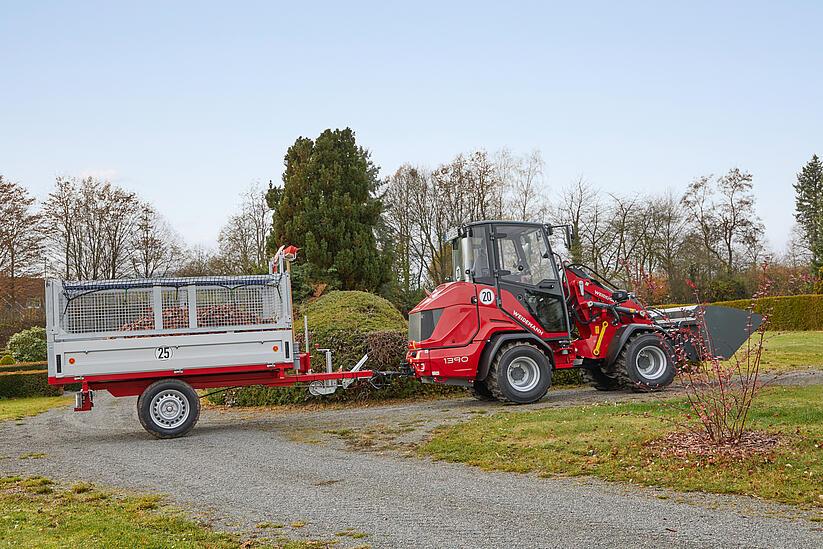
(71, 361)
(275, 348)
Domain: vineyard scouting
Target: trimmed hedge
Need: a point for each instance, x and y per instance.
(788, 313)
(796, 312)
(352, 311)
(24, 367)
(7, 360)
(351, 324)
(29, 383)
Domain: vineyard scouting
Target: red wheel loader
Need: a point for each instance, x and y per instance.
(515, 313)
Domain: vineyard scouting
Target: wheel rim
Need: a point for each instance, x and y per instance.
(523, 374)
(651, 362)
(169, 409)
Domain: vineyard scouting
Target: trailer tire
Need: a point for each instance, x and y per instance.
(168, 408)
(646, 362)
(480, 391)
(599, 379)
(520, 373)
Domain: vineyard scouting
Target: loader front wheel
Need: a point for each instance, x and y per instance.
(599, 379)
(481, 392)
(168, 408)
(520, 373)
(646, 363)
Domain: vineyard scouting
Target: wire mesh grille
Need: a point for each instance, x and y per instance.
(163, 305)
(237, 307)
(108, 311)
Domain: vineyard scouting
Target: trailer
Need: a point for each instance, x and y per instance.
(162, 339)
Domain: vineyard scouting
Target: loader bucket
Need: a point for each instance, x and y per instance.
(724, 329)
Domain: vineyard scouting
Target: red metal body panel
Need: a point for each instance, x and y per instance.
(449, 362)
(596, 326)
(441, 357)
(459, 321)
(448, 353)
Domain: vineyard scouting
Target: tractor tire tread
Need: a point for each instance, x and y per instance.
(596, 380)
(621, 370)
(480, 391)
(491, 378)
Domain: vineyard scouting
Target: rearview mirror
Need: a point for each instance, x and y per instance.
(569, 237)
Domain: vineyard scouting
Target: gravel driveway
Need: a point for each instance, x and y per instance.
(241, 468)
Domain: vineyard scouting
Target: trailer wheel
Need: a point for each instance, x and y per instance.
(599, 379)
(646, 362)
(168, 408)
(520, 373)
(480, 391)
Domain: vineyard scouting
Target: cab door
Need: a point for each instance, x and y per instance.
(528, 282)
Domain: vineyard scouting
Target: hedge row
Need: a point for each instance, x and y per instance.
(24, 367)
(793, 312)
(30, 383)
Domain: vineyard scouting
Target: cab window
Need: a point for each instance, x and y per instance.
(524, 253)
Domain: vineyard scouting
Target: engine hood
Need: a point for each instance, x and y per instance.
(450, 293)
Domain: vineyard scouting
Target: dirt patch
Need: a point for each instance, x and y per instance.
(686, 445)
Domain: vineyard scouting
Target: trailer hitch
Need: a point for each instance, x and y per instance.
(380, 380)
(329, 386)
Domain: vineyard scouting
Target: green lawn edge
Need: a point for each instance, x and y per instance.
(609, 441)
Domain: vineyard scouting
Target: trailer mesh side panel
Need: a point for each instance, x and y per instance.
(106, 311)
(238, 307)
(153, 306)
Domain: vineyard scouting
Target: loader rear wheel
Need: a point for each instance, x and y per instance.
(599, 379)
(481, 392)
(168, 408)
(520, 373)
(646, 363)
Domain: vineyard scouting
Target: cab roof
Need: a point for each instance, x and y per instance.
(457, 232)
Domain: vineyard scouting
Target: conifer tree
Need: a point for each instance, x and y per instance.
(809, 207)
(328, 208)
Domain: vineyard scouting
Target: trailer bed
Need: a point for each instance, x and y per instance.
(107, 329)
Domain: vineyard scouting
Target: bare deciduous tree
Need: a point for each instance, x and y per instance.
(21, 248)
(723, 210)
(156, 248)
(90, 228)
(243, 239)
(524, 185)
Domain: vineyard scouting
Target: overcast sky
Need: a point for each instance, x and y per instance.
(189, 103)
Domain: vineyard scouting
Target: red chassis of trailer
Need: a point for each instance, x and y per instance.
(272, 375)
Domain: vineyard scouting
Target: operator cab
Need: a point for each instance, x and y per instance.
(517, 259)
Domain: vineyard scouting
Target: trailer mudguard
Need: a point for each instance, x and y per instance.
(622, 335)
(498, 340)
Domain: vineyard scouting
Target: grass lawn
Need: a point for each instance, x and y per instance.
(18, 408)
(609, 441)
(793, 351)
(34, 512)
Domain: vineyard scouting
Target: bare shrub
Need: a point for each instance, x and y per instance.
(720, 392)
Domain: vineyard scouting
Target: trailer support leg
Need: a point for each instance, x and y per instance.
(84, 400)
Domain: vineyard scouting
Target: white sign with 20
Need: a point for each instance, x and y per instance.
(486, 296)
